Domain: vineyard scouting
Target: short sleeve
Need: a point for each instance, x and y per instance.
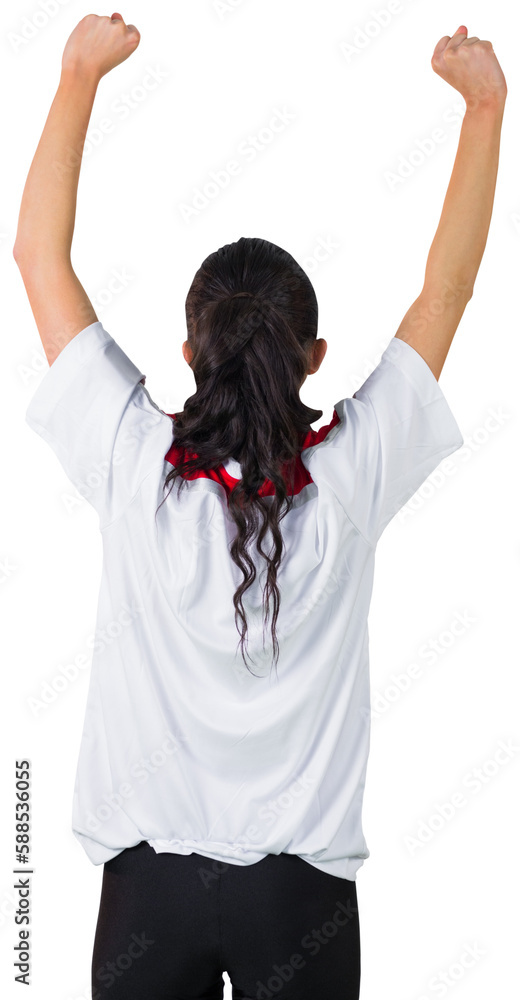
(92, 408)
(390, 436)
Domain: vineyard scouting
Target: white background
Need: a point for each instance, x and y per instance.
(453, 551)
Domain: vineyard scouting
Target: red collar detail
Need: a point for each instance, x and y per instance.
(301, 479)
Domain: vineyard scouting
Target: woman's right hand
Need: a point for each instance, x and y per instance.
(471, 66)
(99, 44)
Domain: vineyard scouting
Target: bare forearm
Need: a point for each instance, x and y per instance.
(460, 240)
(48, 206)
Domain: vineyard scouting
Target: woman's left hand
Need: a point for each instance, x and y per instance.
(97, 44)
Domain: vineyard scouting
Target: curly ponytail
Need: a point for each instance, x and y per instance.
(252, 316)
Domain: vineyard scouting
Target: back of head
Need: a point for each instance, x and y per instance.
(252, 317)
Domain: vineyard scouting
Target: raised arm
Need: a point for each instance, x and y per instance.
(429, 326)
(42, 248)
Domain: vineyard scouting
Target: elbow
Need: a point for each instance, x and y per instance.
(448, 290)
(24, 253)
(462, 285)
(19, 254)
(28, 256)
(467, 284)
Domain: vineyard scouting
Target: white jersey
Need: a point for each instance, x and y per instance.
(181, 745)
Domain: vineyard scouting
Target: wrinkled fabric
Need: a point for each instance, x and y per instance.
(182, 746)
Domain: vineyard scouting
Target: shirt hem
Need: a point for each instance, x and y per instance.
(345, 868)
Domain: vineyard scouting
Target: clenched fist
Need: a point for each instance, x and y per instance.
(97, 44)
(471, 66)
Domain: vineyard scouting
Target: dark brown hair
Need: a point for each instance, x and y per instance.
(252, 316)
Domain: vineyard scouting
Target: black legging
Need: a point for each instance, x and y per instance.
(169, 925)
